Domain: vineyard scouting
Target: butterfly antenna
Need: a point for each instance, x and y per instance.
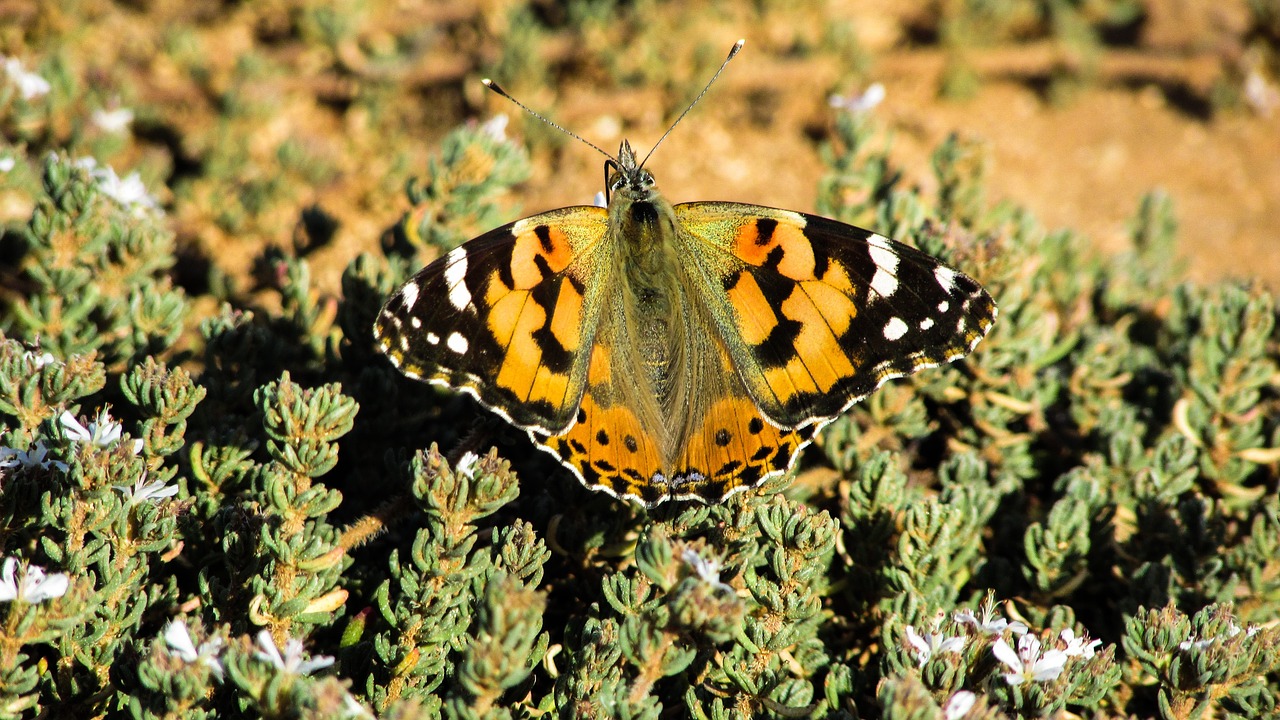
(498, 89)
(732, 52)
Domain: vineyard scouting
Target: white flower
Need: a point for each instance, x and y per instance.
(1260, 95)
(599, 200)
(34, 586)
(467, 465)
(7, 163)
(1078, 647)
(292, 661)
(708, 570)
(129, 192)
(352, 708)
(40, 360)
(496, 127)
(102, 432)
(150, 491)
(989, 623)
(33, 456)
(178, 638)
(959, 705)
(930, 644)
(30, 85)
(1027, 663)
(1232, 631)
(1192, 642)
(858, 104)
(112, 121)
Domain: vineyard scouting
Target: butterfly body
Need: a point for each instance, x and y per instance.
(677, 351)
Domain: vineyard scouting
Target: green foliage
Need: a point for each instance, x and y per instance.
(455, 201)
(220, 502)
(97, 257)
(1074, 30)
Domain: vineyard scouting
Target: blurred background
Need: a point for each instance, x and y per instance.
(291, 122)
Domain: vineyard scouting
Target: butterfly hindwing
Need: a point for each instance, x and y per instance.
(504, 317)
(731, 447)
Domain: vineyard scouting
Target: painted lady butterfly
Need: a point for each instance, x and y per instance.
(677, 351)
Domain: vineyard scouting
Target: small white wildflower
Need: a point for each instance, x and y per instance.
(467, 465)
(1260, 95)
(989, 623)
(112, 121)
(30, 85)
(129, 192)
(959, 705)
(352, 708)
(707, 569)
(40, 360)
(1231, 631)
(1027, 663)
(7, 163)
(599, 200)
(1078, 646)
(1192, 642)
(859, 104)
(143, 491)
(102, 432)
(34, 456)
(930, 644)
(496, 127)
(33, 586)
(292, 661)
(178, 638)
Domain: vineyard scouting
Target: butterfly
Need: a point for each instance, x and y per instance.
(684, 351)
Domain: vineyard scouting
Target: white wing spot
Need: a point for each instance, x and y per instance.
(457, 343)
(404, 343)
(946, 277)
(455, 274)
(885, 281)
(433, 338)
(415, 323)
(960, 325)
(409, 295)
(944, 306)
(926, 323)
(894, 329)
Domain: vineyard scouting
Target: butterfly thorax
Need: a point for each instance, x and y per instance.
(662, 352)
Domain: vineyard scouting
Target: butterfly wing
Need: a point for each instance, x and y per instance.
(816, 314)
(506, 317)
(730, 446)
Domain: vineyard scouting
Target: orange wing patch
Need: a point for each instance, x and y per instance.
(818, 314)
(505, 317)
(731, 447)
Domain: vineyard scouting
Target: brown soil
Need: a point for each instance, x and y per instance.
(1083, 163)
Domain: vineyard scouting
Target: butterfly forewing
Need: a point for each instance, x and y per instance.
(818, 314)
(504, 317)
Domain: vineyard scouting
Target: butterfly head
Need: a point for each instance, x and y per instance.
(626, 174)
